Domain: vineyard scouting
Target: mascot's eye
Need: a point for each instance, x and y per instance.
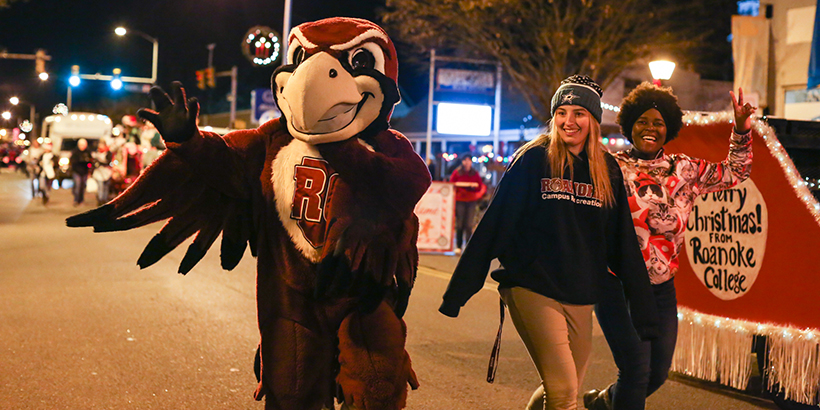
(362, 58)
(298, 55)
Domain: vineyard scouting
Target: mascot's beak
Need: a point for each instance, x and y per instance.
(321, 95)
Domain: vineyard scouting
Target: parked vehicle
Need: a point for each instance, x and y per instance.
(63, 132)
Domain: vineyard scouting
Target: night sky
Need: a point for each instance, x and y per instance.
(81, 32)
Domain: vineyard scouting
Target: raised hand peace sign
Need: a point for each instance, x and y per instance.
(743, 112)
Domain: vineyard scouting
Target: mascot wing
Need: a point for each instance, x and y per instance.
(170, 189)
(385, 254)
(371, 224)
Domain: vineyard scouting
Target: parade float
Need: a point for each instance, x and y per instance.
(748, 284)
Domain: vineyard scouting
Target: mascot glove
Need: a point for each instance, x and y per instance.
(175, 116)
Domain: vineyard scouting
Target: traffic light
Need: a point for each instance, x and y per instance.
(116, 82)
(209, 76)
(200, 79)
(74, 80)
(40, 61)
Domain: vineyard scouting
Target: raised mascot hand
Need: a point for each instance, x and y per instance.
(175, 118)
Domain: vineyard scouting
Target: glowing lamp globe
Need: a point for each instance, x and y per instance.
(661, 69)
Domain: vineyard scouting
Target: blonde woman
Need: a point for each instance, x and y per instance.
(557, 222)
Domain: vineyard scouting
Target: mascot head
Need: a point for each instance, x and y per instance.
(339, 80)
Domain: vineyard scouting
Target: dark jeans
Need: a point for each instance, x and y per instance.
(642, 366)
(465, 217)
(79, 187)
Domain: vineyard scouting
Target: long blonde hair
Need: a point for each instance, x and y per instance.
(559, 157)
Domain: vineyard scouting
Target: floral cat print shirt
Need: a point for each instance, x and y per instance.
(661, 194)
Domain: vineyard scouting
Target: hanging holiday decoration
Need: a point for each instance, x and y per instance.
(261, 45)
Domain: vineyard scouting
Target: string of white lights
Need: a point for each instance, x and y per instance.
(765, 131)
(812, 183)
(610, 107)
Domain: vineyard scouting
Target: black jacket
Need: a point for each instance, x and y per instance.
(81, 161)
(553, 237)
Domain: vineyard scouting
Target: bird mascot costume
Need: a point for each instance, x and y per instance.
(324, 198)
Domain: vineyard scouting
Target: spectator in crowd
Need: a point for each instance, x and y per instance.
(131, 129)
(102, 171)
(48, 171)
(431, 167)
(469, 190)
(81, 163)
(33, 166)
(152, 144)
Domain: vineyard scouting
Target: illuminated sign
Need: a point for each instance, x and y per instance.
(453, 79)
(464, 119)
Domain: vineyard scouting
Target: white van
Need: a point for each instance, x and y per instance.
(63, 132)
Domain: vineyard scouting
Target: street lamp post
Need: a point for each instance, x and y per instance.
(285, 32)
(661, 70)
(121, 31)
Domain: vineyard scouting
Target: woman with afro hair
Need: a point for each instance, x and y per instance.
(661, 189)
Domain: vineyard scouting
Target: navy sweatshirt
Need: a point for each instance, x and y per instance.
(552, 236)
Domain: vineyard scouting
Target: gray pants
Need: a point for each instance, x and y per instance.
(558, 337)
(465, 218)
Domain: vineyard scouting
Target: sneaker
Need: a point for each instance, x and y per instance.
(457, 251)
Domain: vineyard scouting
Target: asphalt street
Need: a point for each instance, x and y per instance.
(82, 327)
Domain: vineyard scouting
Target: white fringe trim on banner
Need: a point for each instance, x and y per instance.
(719, 349)
(793, 363)
(713, 348)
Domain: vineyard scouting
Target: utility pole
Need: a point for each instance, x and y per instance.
(211, 48)
(209, 93)
(428, 153)
(285, 32)
(234, 72)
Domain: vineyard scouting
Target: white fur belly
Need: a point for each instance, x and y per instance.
(284, 186)
(301, 180)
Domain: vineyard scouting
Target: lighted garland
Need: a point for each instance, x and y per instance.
(766, 132)
(813, 184)
(610, 107)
